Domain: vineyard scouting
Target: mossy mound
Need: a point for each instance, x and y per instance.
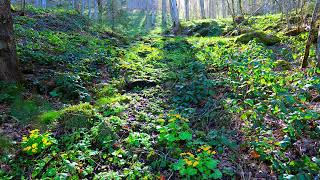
(202, 28)
(261, 37)
(70, 118)
(282, 65)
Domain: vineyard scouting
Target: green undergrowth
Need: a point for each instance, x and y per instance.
(158, 107)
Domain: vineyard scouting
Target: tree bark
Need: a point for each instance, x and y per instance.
(175, 16)
(202, 11)
(318, 49)
(9, 70)
(164, 13)
(187, 9)
(304, 63)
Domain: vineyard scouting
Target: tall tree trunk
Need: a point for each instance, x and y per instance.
(286, 6)
(175, 16)
(89, 8)
(9, 70)
(223, 8)
(99, 2)
(153, 13)
(240, 7)
(202, 11)
(187, 9)
(304, 63)
(44, 4)
(36, 3)
(164, 13)
(83, 4)
(318, 48)
(148, 15)
(95, 4)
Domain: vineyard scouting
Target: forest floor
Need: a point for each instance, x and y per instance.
(97, 105)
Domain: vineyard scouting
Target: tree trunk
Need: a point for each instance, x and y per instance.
(304, 63)
(153, 13)
(89, 8)
(285, 6)
(240, 7)
(187, 9)
(164, 13)
(318, 49)
(224, 9)
(95, 4)
(148, 15)
(82, 6)
(9, 70)
(175, 16)
(100, 9)
(203, 15)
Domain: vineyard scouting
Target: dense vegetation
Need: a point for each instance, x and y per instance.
(102, 105)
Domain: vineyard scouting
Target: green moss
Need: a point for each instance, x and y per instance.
(282, 65)
(261, 37)
(49, 116)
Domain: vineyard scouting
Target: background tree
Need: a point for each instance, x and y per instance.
(203, 15)
(175, 16)
(164, 13)
(304, 63)
(187, 9)
(9, 70)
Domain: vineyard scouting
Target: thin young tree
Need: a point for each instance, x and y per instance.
(9, 70)
(304, 63)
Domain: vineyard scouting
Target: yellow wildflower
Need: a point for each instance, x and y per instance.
(190, 154)
(195, 163)
(205, 148)
(188, 162)
(34, 135)
(34, 150)
(182, 154)
(27, 148)
(35, 145)
(24, 138)
(34, 131)
(178, 116)
(171, 120)
(213, 152)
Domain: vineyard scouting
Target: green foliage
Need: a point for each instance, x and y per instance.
(26, 111)
(70, 87)
(201, 165)
(9, 92)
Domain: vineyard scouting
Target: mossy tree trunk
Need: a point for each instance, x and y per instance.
(9, 70)
(304, 63)
(318, 49)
